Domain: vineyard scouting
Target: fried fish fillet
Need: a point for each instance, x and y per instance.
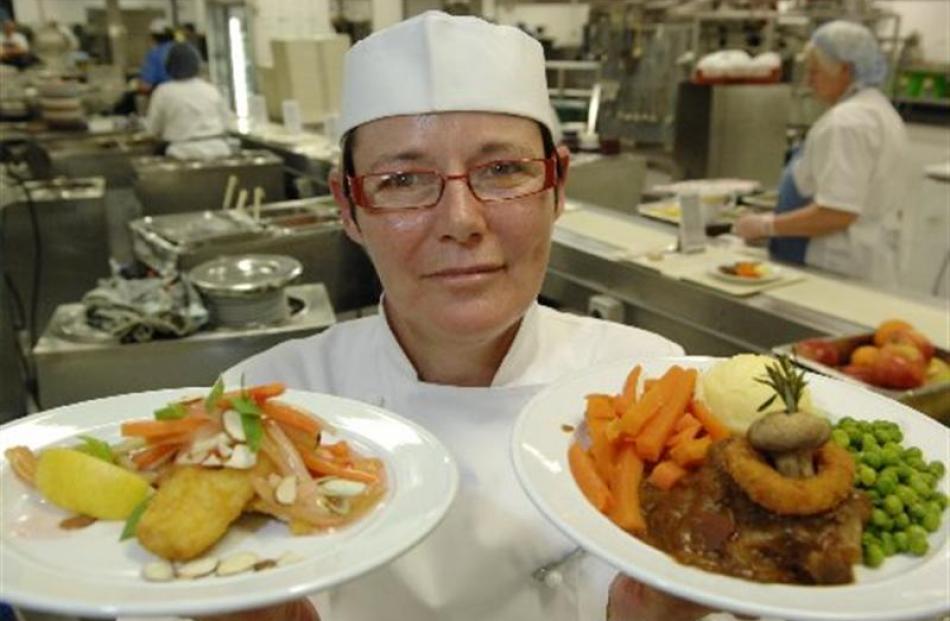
(192, 510)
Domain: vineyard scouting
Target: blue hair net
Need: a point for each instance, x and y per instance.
(182, 61)
(847, 42)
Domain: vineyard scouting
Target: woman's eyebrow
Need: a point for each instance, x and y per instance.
(505, 148)
(399, 156)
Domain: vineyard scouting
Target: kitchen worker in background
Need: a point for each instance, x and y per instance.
(840, 198)
(153, 71)
(188, 112)
(452, 181)
(14, 47)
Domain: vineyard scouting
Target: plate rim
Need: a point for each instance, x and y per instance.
(667, 580)
(286, 587)
(777, 273)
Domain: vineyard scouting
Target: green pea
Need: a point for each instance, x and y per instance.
(893, 505)
(848, 421)
(901, 541)
(907, 495)
(931, 522)
(873, 458)
(882, 434)
(867, 475)
(886, 482)
(868, 538)
(855, 436)
(917, 510)
(875, 495)
(928, 480)
(940, 498)
(917, 544)
(904, 472)
(919, 485)
(874, 555)
(881, 519)
(897, 435)
(936, 469)
(890, 456)
(917, 463)
(915, 530)
(869, 441)
(901, 521)
(913, 452)
(841, 438)
(888, 546)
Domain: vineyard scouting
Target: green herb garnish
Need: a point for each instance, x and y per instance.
(172, 411)
(787, 382)
(95, 447)
(132, 522)
(250, 420)
(211, 401)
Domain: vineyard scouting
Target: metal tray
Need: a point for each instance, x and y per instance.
(931, 399)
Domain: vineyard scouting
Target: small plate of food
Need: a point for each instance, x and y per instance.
(747, 272)
(191, 502)
(746, 485)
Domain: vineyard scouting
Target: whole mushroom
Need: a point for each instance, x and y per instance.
(790, 437)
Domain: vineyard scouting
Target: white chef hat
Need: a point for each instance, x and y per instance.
(436, 62)
(159, 26)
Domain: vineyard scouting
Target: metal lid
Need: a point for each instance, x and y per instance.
(246, 274)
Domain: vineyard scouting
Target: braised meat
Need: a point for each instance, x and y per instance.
(708, 521)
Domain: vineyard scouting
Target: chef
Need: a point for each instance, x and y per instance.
(188, 112)
(840, 198)
(452, 182)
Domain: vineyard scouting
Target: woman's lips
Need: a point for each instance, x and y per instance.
(465, 272)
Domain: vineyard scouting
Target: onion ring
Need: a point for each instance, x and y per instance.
(787, 495)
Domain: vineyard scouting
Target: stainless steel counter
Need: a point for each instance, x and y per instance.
(68, 371)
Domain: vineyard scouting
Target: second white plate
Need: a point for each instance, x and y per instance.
(90, 573)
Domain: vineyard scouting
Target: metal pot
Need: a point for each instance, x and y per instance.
(246, 290)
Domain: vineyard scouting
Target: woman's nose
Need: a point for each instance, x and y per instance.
(462, 214)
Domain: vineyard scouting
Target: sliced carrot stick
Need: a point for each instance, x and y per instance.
(586, 477)
(625, 487)
(151, 428)
(691, 452)
(665, 474)
(717, 430)
(602, 450)
(629, 395)
(643, 410)
(324, 467)
(259, 394)
(340, 450)
(650, 383)
(289, 415)
(684, 435)
(686, 420)
(652, 438)
(599, 406)
(153, 455)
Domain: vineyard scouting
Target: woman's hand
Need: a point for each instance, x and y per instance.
(630, 600)
(299, 610)
(754, 226)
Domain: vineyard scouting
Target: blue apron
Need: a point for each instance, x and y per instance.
(789, 249)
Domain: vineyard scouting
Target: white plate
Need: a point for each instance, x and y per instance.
(772, 273)
(903, 588)
(89, 573)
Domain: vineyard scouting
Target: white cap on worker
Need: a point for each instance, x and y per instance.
(436, 62)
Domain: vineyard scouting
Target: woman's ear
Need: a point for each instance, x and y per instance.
(347, 210)
(563, 163)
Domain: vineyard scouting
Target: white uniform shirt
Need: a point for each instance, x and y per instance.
(17, 39)
(182, 112)
(478, 563)
(855, 159)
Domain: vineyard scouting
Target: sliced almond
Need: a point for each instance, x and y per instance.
(212, 460)
(288, 558)
(341, 487)
(191, 457)
(274, 479)
(339, 504)
(242, 458)
(206, 445)
(233, 425)
(158, 571)
(267, 563)
(286, 492)
(237, 563)
(198, 568)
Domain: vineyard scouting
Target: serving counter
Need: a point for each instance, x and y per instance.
(630, 262)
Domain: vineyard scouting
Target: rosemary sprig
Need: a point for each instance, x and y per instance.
(787, 382)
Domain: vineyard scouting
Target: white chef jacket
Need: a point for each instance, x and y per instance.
(478, 563)
(855, 159)
(17, 38)
(192, 116)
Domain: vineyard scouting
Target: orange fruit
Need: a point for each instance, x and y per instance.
(886, 332)
(864, 356)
